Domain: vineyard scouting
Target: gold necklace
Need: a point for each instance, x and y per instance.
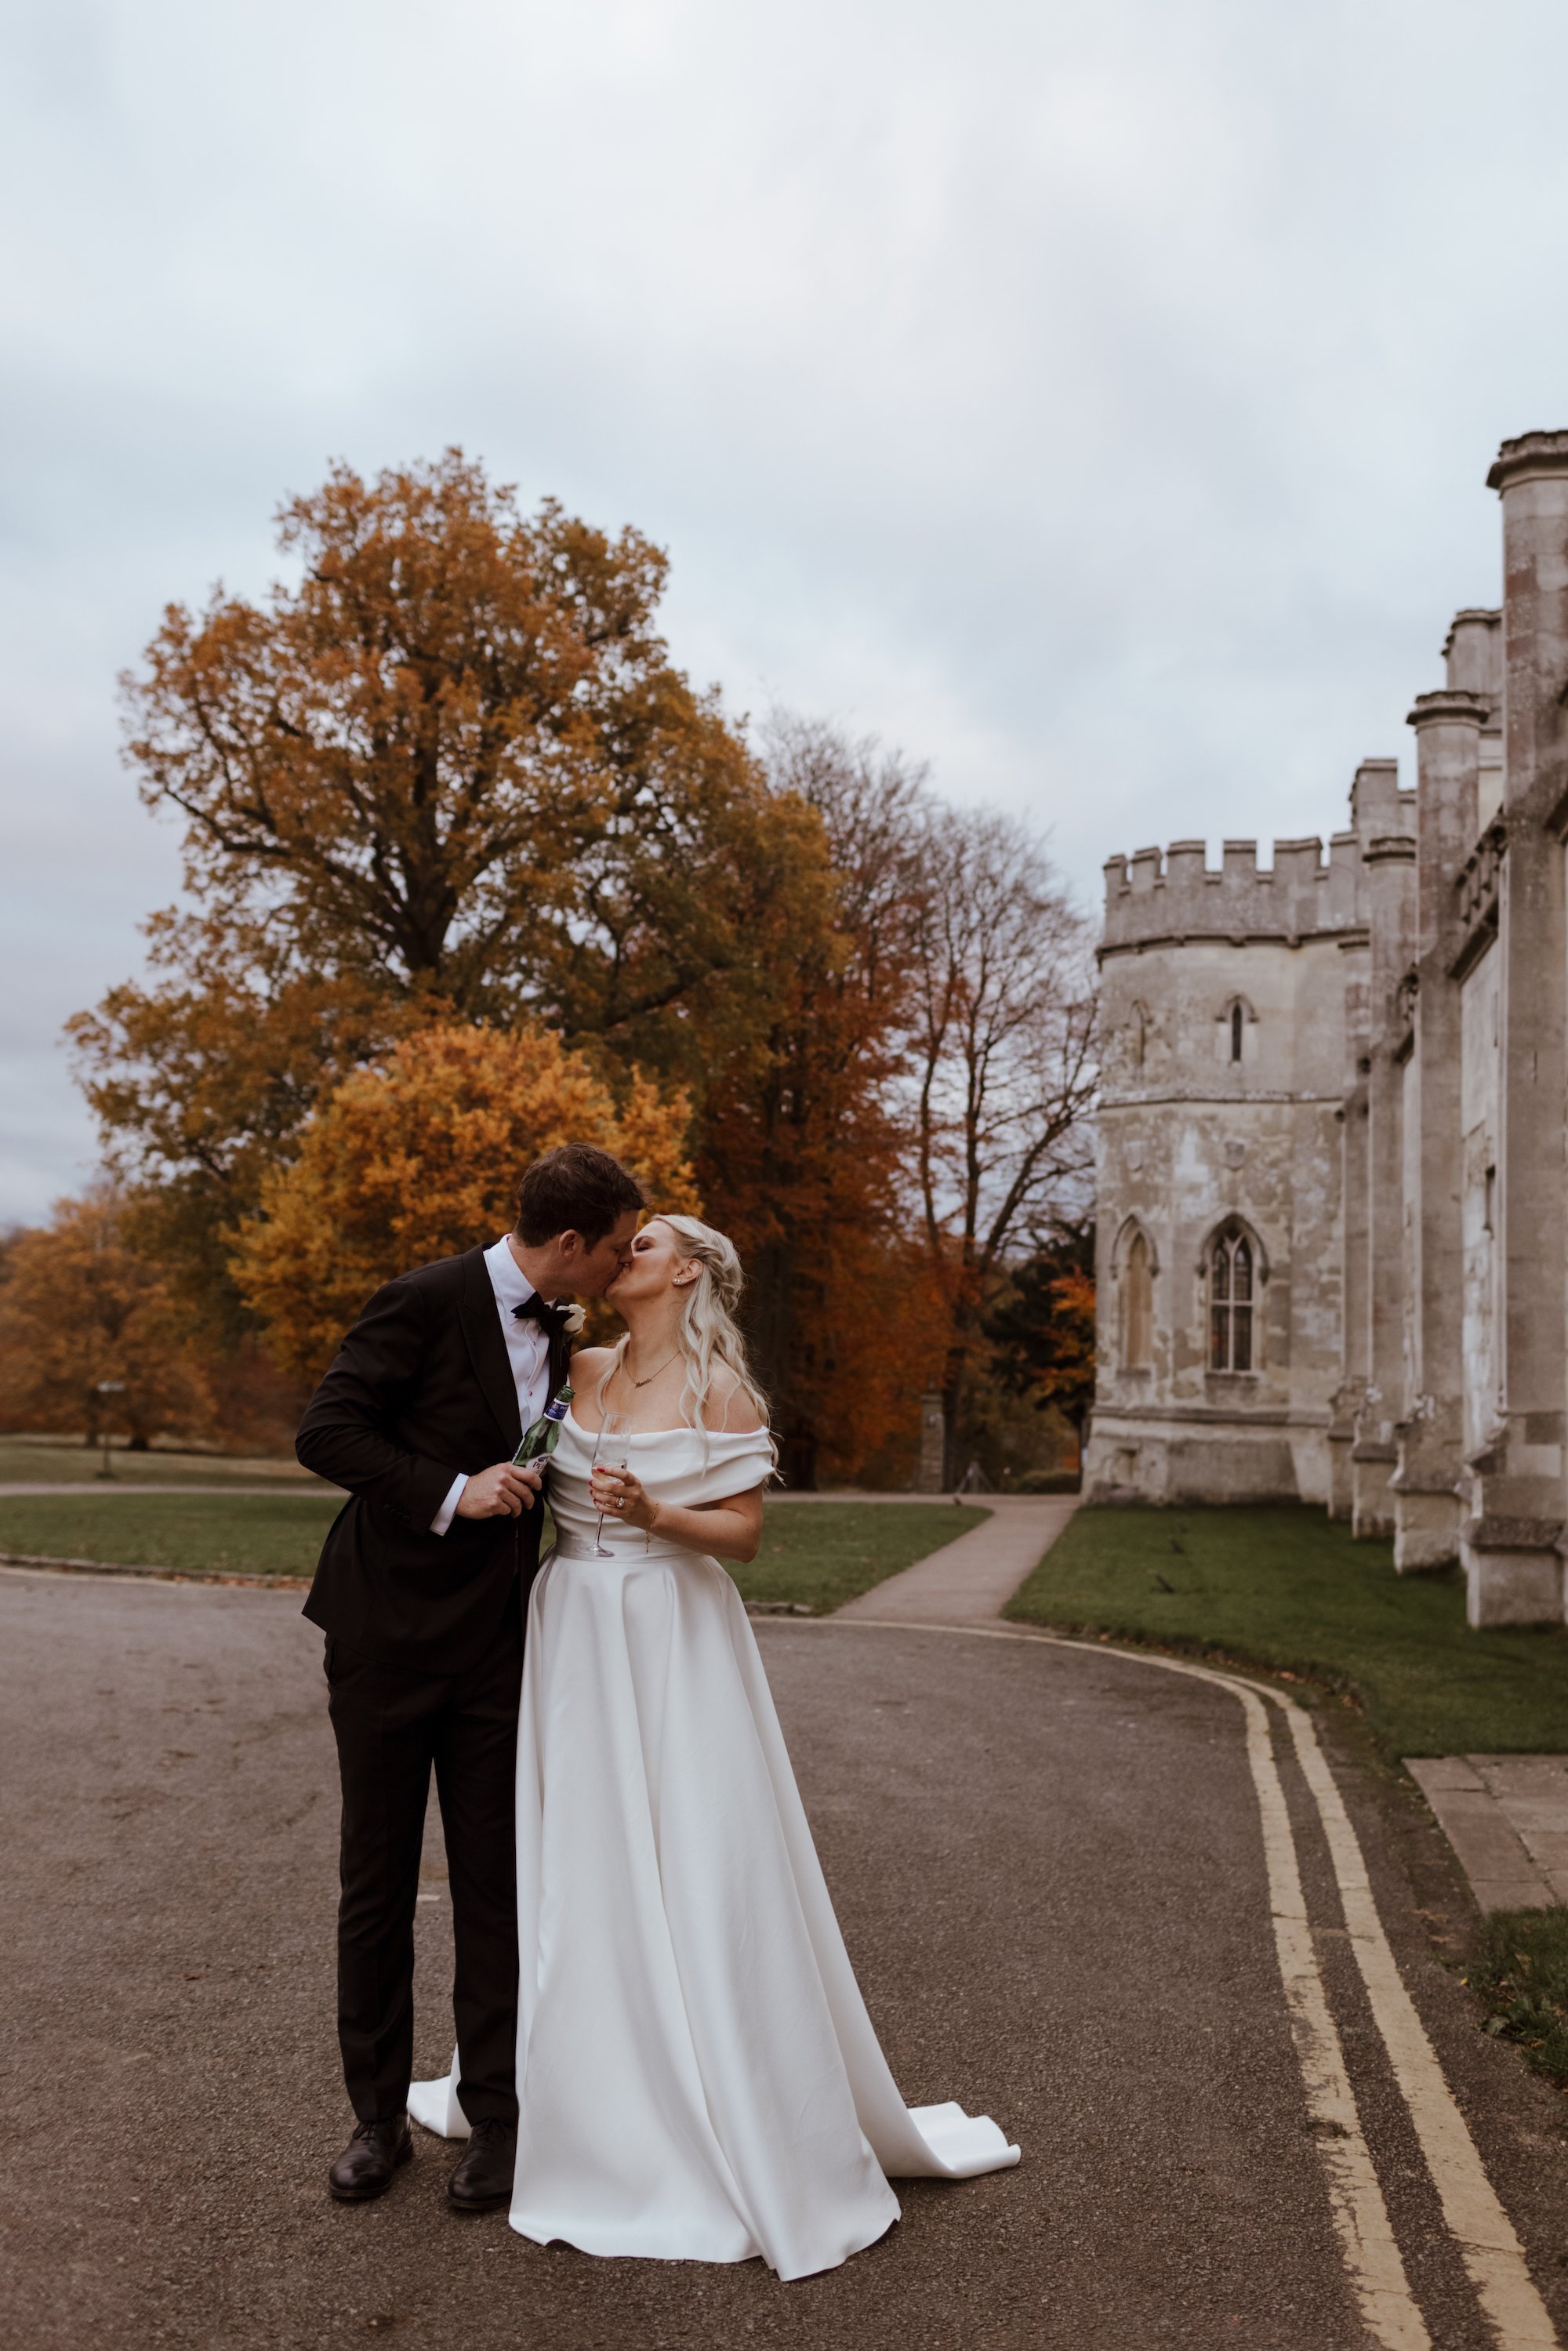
(652, 1376)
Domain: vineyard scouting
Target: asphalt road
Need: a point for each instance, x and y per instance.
(1048, 1863)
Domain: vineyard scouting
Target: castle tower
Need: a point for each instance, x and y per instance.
(1221, 1268)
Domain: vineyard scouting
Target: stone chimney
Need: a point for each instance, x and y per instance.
(1473, 652)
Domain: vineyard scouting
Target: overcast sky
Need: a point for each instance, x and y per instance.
(1096, 401)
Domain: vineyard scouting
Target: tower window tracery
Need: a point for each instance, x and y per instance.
(1232, 1280)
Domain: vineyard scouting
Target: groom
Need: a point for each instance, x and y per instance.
(422, 1591)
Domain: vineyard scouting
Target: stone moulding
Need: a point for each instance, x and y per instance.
(1154, 1417)
(1392, 849)
(1479, 886)
(1494, 1532)
(1347, 933)
(1528, 455)
(1148, 1097)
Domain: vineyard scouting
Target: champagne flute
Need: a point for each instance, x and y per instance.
(610, 1451)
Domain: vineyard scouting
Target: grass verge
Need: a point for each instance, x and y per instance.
(814, 1554)
(29, 1461)
(819, 1554)
(187, 1535)
(1521, 1975)
(1288, 1590)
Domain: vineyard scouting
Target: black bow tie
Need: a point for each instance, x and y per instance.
(539, 1310)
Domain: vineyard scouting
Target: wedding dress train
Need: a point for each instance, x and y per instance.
(697, 2077)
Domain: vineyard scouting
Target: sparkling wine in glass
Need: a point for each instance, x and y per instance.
(610, 1451)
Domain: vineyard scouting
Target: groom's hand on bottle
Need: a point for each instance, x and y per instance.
(505, 1491)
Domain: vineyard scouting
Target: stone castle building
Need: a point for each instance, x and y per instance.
(1333, 1145)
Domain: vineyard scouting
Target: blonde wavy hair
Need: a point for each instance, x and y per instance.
(709, 1335)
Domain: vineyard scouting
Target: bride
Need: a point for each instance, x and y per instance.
(697, 2077)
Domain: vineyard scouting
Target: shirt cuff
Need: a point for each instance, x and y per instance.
(448, 1510)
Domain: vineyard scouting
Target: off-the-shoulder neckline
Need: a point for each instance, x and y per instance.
(681, 1429)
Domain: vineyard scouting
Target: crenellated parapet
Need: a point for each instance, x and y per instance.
(1174, 894)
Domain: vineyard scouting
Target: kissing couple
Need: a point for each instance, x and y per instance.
(662, 2049)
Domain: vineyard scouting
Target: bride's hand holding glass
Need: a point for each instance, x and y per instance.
(619, 1494)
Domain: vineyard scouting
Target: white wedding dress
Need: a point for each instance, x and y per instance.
(697, 2077)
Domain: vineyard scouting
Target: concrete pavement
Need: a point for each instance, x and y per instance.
(971, 1579)
(1506, 1817)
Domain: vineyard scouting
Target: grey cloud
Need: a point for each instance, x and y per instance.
(1096, 401)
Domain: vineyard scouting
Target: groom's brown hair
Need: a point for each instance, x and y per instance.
(578, 1188)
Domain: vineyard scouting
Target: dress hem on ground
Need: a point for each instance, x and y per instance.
(697, 2076)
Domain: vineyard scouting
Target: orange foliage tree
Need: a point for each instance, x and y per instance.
(1041, 1324)
(418, 1157)
(446, 781)
(450, 773)
(803, 1146)
(78, 1308)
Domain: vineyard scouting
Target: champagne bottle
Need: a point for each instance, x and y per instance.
(542, 1435)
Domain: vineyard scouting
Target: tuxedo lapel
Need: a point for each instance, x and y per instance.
(488, 1347)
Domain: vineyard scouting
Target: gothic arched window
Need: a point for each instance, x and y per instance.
(1137, 1304)
(1232, 1281)
(1232, 1020)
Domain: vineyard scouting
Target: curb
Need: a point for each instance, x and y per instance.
(151, 1574)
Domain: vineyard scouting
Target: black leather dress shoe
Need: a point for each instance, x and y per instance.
(483, 2180)
(366, 2165)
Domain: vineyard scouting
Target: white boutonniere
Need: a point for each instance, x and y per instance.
(572, 1321)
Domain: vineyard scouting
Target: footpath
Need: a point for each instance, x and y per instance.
(1506, 1817)
(970, 1582)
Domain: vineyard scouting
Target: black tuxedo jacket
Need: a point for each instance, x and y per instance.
(421, 1389)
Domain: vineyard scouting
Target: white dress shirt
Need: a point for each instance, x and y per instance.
(527, 1349)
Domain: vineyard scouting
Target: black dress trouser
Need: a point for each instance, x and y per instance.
(392, 1727)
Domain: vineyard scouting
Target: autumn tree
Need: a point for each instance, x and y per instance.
(910, 1118)
(443, 790)
(1040, 1323)
(448, 771)
(89, 1335)
(803, 1153)
(418, 1157)
(1001, 1050)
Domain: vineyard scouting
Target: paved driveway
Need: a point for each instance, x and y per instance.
(1050, 1873)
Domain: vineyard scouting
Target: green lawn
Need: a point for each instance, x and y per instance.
(193, 1534)
(816, 1554)
(35, 1460)
(819, 1554)
(1521, 1974)
(1288, 1589)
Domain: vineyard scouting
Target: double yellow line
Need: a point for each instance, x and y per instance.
(1487, 2241)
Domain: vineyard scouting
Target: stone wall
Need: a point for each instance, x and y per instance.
(1353, 1067)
